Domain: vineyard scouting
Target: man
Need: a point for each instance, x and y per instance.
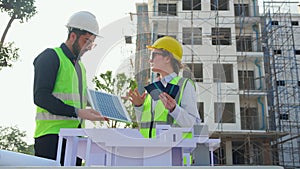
(60, 85)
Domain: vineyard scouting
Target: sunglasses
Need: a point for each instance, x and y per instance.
(153, 54)
(161, 52)
(89, 43)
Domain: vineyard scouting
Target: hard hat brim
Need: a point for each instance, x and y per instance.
(175, 56)
(97, 35)
(150, 47)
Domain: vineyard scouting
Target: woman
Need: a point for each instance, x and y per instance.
(178, 111)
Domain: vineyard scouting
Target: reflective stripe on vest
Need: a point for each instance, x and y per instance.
(66, 88)
(49, 116)
(161, 115)
(71, 97)
(147, 124)
(67, 96)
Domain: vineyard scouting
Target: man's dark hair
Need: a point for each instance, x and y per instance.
(78, 32)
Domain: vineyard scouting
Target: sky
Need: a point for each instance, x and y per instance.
(47, 30)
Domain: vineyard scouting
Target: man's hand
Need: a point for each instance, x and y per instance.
(91, 114)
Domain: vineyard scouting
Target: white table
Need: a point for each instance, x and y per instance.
(127, 147)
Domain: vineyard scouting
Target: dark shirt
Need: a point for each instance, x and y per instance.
(46, 66)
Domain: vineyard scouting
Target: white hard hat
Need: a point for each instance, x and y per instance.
(84, 20)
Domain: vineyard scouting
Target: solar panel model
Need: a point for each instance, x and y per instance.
(109, 105)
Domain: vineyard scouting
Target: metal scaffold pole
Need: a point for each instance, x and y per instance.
(283, 87)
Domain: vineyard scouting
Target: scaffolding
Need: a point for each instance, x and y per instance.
(282, 68)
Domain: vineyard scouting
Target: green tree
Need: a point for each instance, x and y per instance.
(11, 138)
(118, 86)
(21, 10)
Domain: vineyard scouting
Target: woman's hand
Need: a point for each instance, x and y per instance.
(135, 97)
(168, 101)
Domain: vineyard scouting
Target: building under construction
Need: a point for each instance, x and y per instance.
(245, 63)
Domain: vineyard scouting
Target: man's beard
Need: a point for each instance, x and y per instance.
(76, 49)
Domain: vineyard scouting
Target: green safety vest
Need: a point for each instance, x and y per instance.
(161, 115)
(66, 88)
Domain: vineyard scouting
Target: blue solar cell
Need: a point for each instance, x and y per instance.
(109, 105)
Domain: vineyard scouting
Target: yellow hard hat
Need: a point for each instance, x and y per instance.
(169, 44)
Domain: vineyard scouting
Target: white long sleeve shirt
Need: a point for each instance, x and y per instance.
(186, 115)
